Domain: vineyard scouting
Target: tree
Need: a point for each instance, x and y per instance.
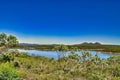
(3, 39)
(8, 40)
(61, 50)
(12, 41)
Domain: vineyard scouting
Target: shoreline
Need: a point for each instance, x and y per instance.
(97, 50)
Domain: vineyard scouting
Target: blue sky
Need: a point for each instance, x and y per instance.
(61, 21)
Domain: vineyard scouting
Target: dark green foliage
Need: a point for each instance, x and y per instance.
(6, 57)
(16, 64)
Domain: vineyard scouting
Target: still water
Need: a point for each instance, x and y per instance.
(53, 54)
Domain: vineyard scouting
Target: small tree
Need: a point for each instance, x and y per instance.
(8, 40)
(61, 50)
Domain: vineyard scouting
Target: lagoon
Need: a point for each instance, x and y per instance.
(53, 54)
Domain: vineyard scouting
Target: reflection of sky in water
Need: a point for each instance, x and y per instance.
(53, 54)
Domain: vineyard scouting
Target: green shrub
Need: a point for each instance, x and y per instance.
(16, 64)
(8, 72)
(96, 76)
(116, 78)
(6, 57)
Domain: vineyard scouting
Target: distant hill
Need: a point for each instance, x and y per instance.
(29, 44)
(86, 43)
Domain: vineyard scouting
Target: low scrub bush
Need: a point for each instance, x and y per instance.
(8, 72)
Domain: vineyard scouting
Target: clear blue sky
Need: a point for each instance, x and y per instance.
(62, 20)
